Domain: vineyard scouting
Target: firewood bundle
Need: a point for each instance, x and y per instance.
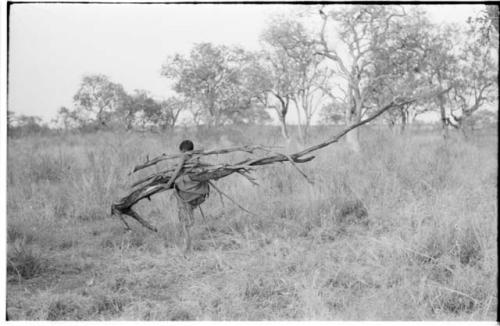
(204, 172)
(197, 171)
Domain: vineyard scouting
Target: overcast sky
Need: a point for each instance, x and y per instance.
(53, 45)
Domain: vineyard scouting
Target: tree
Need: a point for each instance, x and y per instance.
(487, 24)
(440, 67)
(362, 31)
(477, 79)
(296, 64)
(10, 121)
(397, 67)
(67, 118)
(481, 119)
(162, 114)
(493, 14)
(247, 98)
(141, 108)
(22, 125)
(98, 99)
(333, 112)
(126, 112)
(28, 121)
(171, 109)
(211, 79)
(270, 77)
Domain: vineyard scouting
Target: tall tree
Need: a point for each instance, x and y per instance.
(487, 24)
(476, 82)
(245, 101)
(162, 114)
(68, 118)
(440, 67)
(333, 112)
(295, 62)
(211, 78)
(397, 67)
(361, 31)
(271, 82)
(126, 113)
(97, 99)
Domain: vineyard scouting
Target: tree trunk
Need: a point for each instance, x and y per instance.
(301, 133)
(175, 117)
(282, 112)
(351, 117)
(444, 120)
(299, 120)
(284, 129)
(305, 108)
(216, 121)
(306, 128)
(352, 139)
(404, 120)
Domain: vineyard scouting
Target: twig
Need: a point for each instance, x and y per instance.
(487, 308)
(130, 212)
(416, 253)
(232, 200)
(300, 171)
(221, 200)
(19, 277)
(127, 227)
(437, 285)
(249, 178)
(294, 165)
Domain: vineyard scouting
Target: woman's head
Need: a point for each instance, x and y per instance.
(186, 146)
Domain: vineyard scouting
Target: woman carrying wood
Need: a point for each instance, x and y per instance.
(189, 193)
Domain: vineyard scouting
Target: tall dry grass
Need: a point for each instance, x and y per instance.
(425, 251)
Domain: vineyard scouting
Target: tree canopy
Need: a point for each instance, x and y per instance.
(346, 60)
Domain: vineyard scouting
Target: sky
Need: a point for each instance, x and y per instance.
(52, 46)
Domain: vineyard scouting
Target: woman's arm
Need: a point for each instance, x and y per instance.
(177, 172)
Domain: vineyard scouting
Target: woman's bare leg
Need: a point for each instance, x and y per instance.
(188, 223)
(187, 239)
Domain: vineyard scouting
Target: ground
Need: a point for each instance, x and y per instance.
(406, 230)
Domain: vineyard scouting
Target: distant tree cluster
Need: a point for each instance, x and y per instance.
(24, 125)
(355, 58)
(102, 104)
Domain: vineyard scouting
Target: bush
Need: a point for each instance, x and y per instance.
(24, 262)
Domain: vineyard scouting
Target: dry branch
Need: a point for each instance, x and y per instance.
(205, 172)
(231, 199)
(200, 152)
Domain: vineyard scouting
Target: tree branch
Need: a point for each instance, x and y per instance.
(205, 173)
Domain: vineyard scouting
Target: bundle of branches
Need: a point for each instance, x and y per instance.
(203, 172)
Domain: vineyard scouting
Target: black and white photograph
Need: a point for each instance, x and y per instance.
(249, 161)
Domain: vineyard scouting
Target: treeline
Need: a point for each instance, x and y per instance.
(352, 61)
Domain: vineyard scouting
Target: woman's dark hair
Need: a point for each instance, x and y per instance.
(186, 145)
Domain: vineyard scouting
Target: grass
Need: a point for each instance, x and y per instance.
(405, 231)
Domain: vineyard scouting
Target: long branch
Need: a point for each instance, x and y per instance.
(199, 152)
(213, 172)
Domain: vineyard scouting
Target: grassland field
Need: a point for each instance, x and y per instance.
(427, 250)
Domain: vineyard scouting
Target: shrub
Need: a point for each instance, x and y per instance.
(68, 307)
(24, 262)
(43, 166)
